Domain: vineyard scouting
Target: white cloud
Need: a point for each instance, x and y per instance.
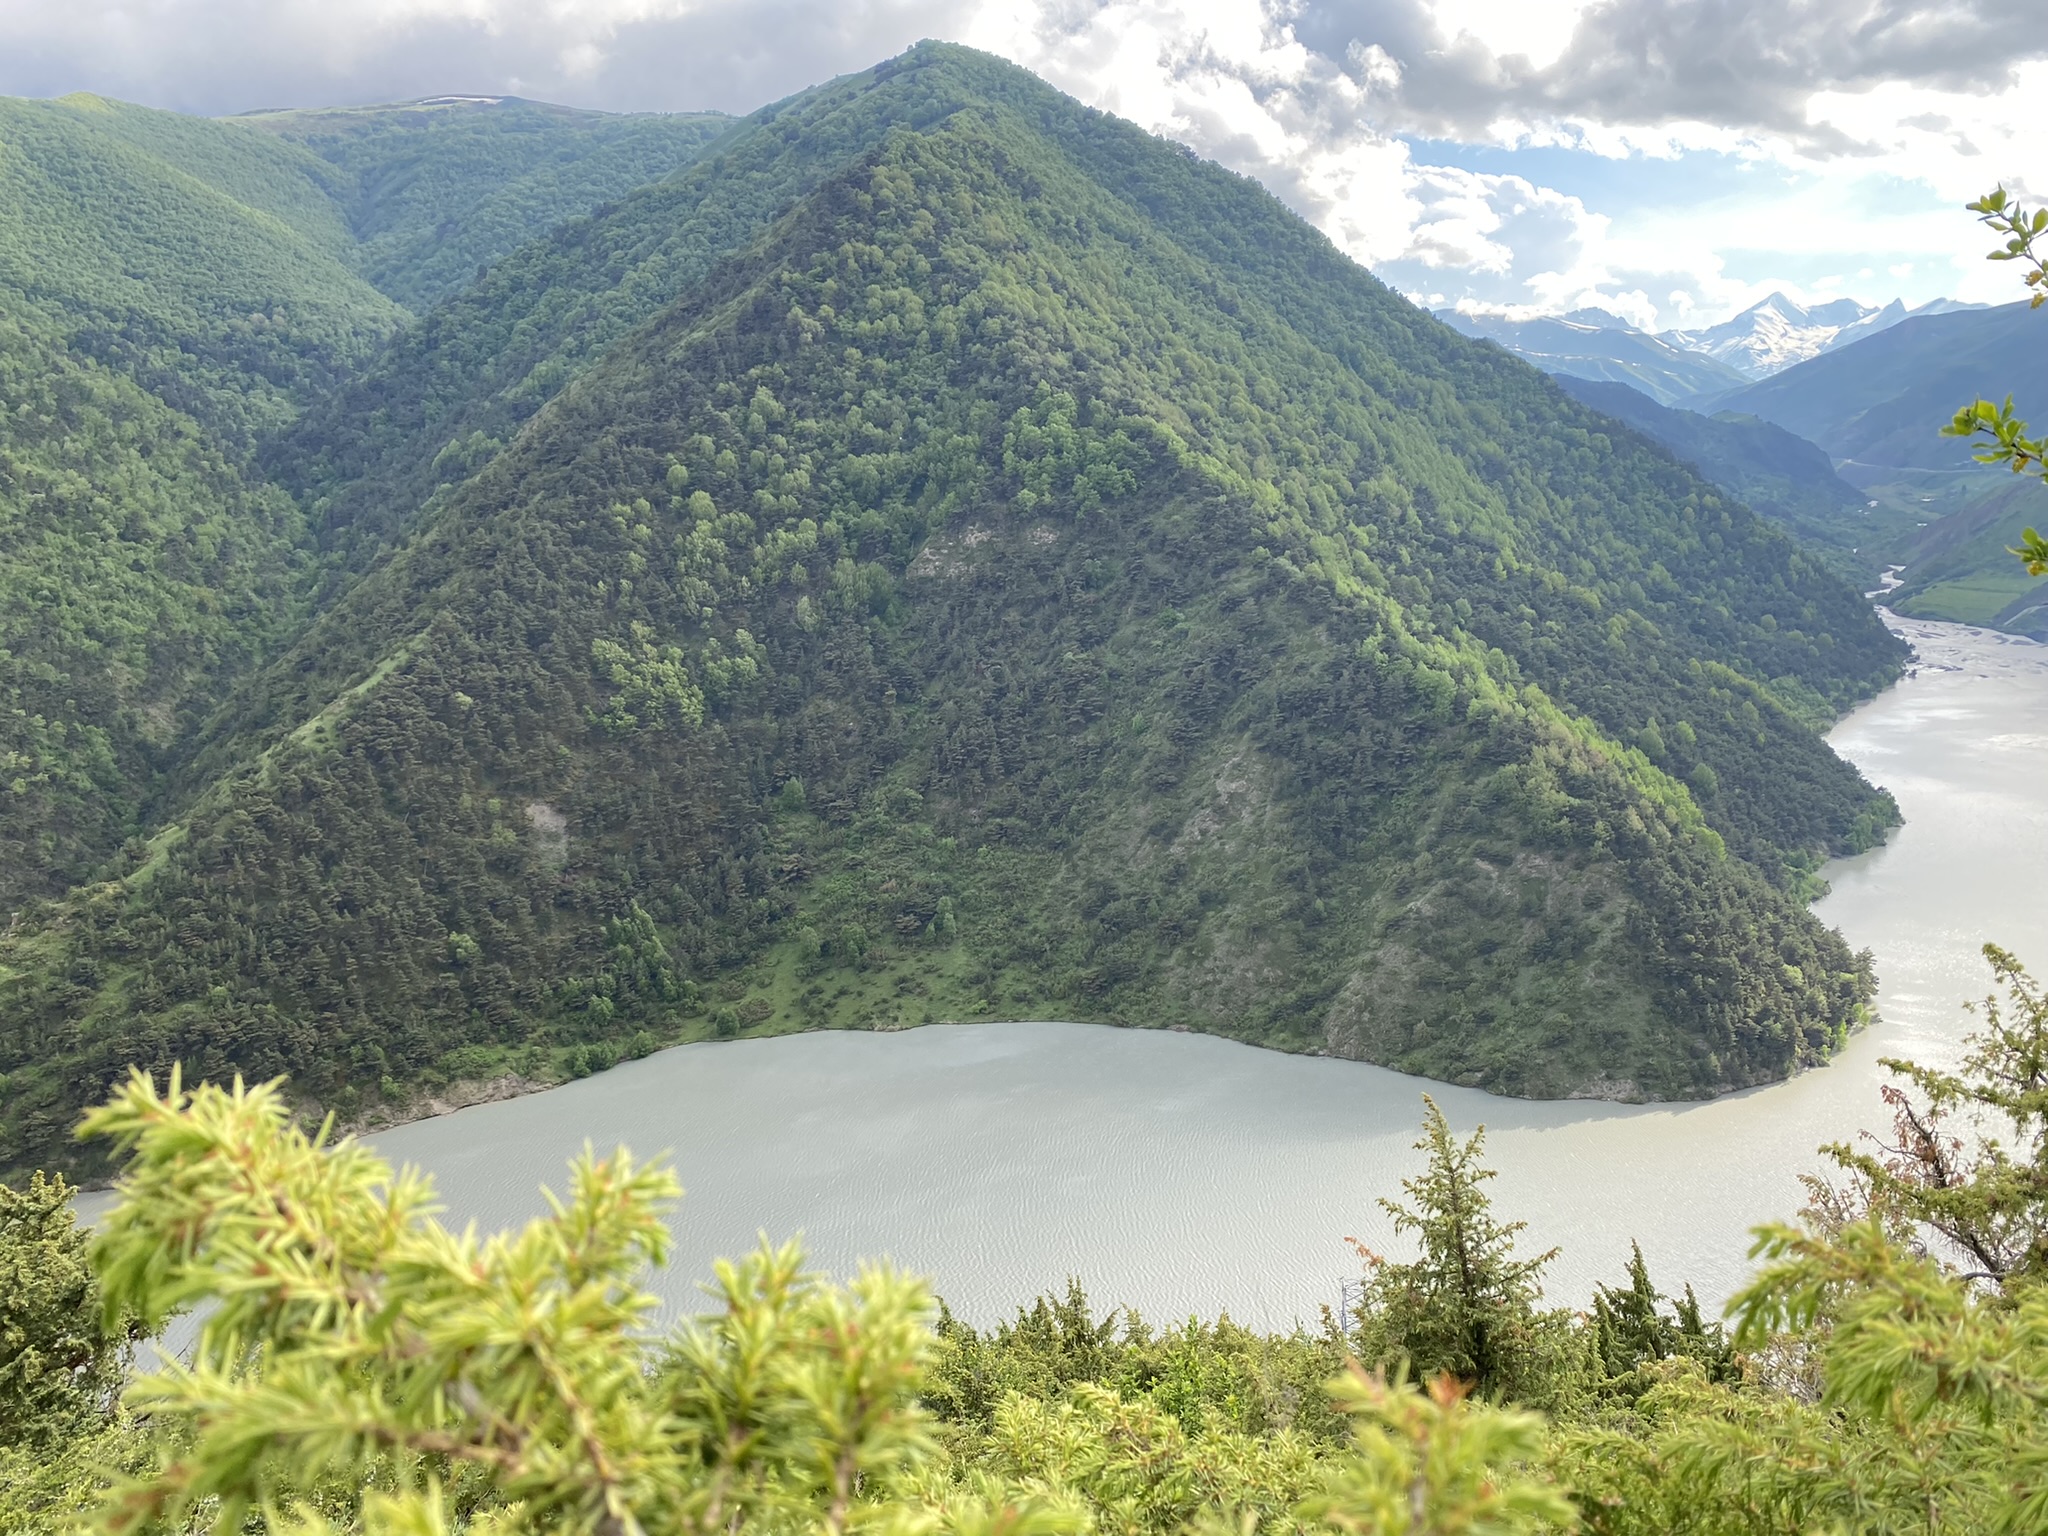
(1855, 170)
(1537, 30)
(1232, 81)
(1235, 82)
(1866, 121)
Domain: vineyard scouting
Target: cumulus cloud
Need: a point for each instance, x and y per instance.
(1861, 117)
(1242, 85)
(1747, 65)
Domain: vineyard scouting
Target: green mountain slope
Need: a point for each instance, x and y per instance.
(1958, 563)
(1878, 406)
(178, 289)
(292, 186)
(1881, 403)
(192, 256)
(1786, 478)
(173, 290)
(1038, 576)
(140, 574)
(459, 385)
(431, 191)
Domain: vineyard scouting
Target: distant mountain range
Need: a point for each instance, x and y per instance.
(1778, 333)
(1835, 431)
(1690, 367)
(1879, 404)
(1593, 344)
(1874, 392)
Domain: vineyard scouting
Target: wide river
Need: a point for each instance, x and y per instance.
(1178, 1173)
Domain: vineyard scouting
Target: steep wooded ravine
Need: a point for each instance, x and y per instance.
(140, 573)
(171, 291)
(1786, 478)
(432, 191)
(176, 290)
(1039, 576)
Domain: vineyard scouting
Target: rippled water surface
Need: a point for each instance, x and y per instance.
(1180, 1174)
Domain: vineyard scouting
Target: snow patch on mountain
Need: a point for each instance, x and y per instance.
(1593, 344)
(1688, 367)
(1771, 336)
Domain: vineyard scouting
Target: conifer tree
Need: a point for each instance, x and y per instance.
(62, 1364)
(1631, 1330)
(1466, 1306)
(61, 1359)
(1431, 1464)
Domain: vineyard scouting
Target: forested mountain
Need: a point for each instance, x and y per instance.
(204, 261)
(1880, 403)
(433, 190)
(172, 292)
(1786, 478)
(175, 291)
(140, 573)
(458, 386)
(976, 559)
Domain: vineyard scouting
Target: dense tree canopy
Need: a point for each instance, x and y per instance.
(434, 191)
(62, 1355)
(1038, 572)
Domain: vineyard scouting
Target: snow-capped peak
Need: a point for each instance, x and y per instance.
(1779, 331)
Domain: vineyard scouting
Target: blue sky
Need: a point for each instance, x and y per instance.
(1871, 241)
(1672, 160)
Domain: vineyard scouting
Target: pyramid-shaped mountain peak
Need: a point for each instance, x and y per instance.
(947, 554)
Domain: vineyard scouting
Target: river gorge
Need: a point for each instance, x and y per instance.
(1181, 1174)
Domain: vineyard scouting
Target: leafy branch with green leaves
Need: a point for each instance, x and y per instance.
(2009, 441)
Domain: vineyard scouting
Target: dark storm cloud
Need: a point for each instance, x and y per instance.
(219, 56)
(1742, 64)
